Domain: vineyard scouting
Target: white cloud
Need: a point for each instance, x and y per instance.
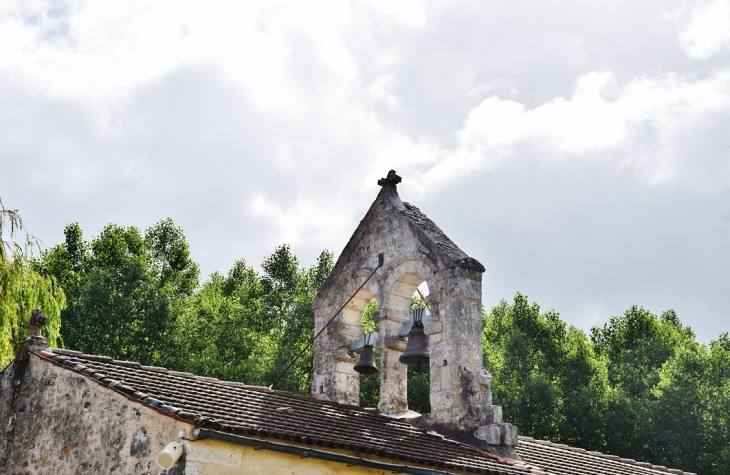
(597, 116)
(259, 122)
(708, 31)
(601, 120)
(102, 56)
(499, 83)
(381, 90)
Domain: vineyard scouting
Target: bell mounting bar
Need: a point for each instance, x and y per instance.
(418, 314)
(367, 339)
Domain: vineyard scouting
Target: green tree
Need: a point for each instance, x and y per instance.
(640, 387)
(546, 375)
(635, 346)
(125, 289)
(716, 400)
(296, 288)
(676, 412)
(248, 327)
(22, 289)
(216, 333)
(170, 260)
(690, 418)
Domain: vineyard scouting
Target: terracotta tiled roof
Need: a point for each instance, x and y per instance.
(255, 411)
(237, 408)
(559, 459)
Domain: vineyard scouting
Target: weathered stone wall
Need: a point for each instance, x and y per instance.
(64, 422)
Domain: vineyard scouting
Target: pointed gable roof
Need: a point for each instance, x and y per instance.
(434, 235)
(368, 239)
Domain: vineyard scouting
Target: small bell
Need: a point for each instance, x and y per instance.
(366, 364)
(417, 352)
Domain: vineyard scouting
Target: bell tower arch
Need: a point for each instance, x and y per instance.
(415, 250)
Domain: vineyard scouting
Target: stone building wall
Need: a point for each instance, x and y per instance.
(64, 422)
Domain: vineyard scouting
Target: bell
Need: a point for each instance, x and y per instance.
(366, 365)
(417, 352)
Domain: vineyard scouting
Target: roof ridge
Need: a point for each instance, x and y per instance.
(107, 359)
(614, 458)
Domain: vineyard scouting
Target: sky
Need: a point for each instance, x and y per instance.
(579, 150)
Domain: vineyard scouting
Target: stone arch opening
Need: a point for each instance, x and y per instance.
(335, 378)
(370, 383)
(401, 388)
(419, 384)
(353, 312)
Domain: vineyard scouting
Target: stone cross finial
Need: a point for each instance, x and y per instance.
(36, 322)
(35, 340)
(392, 179)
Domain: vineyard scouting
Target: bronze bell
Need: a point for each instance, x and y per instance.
(417, 352)
(366, 364)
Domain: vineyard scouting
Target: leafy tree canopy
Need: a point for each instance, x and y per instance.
(248, 326)
(641, 386)
(546, 375)
(22, 289)
(125, 288)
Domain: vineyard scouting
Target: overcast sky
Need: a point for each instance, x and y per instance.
(579, 150)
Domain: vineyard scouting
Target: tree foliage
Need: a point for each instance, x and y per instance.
(641, 386)
(546, 375)
(248, 327)
(22, 289)
(125, 288)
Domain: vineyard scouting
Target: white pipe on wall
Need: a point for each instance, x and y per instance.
(170, 454)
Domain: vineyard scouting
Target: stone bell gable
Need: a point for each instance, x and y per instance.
(414, 250)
